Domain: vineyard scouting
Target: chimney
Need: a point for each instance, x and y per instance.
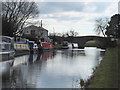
(41, 23)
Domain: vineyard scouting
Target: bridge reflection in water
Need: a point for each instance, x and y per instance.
(51, 69)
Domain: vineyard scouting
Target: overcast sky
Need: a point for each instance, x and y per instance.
(77, 16)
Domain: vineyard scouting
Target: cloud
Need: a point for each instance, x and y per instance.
(112, 9)
(56, 7)
(74, 11)
(96, 6)
(79, 0)
(79, 16)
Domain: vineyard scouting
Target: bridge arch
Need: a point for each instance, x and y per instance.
(93, 43)
(100, 41)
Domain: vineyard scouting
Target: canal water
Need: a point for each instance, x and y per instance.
(51, 69)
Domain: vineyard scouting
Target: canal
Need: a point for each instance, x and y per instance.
(51, 69)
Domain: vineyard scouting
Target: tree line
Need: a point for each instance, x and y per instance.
(70, 33)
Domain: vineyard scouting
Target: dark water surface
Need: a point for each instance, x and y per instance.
(51, 69)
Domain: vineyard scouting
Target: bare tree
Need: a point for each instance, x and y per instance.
(100, 26)
(72, 33)
(16, 14)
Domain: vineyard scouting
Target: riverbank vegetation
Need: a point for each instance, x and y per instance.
(106, 75)
(57, 46)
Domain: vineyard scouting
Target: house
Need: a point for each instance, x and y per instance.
(33, 32)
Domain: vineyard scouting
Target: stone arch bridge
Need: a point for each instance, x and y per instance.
(83, 39)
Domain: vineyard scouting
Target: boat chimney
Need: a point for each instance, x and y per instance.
(41, 23)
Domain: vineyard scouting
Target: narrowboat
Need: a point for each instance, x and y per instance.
(46, 45)
(6, 48)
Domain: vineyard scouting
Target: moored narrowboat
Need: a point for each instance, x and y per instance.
(6, 48)
(46, 45)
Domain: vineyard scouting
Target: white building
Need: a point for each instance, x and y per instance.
(32, 32)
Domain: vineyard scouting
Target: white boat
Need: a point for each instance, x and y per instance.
(6, 48)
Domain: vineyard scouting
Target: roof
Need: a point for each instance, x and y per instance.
(33, 26)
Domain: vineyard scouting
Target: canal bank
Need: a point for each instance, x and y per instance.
(106, 75)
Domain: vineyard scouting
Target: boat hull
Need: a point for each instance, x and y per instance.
(46, 46)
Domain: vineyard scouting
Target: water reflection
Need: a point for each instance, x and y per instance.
(52, 69)
(72, 53)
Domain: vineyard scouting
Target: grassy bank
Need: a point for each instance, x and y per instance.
(106, 75)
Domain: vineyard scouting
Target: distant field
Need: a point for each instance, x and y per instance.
(93, 43)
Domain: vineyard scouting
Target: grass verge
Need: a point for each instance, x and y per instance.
(106, 75)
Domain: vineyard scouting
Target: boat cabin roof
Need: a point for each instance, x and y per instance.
(6, 39)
